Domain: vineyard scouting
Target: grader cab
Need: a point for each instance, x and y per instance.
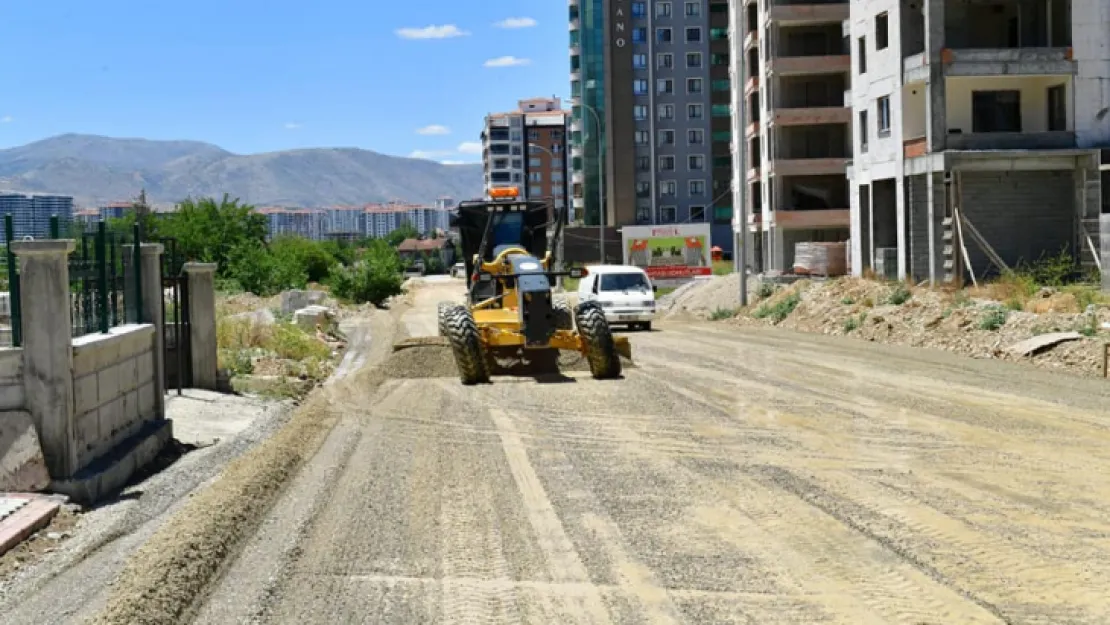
(511, 310)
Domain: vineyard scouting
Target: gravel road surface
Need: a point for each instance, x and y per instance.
(733, 476)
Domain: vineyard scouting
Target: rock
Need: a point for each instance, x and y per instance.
(22, 465)
(262, 317)
(292, 301)
(310, 317)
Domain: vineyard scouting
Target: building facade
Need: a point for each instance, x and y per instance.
(651, 97)
(977, 127)
(794, 62)
(527, 148)
(31, 214)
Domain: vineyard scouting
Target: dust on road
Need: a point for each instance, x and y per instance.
(733, 477)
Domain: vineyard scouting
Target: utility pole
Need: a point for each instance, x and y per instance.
(739, 124)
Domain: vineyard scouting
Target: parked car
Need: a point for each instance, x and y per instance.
(625, 293)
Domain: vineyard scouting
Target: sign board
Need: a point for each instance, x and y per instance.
(671, 255)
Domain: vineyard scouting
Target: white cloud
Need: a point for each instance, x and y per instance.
(445, 31)
(7, 119)
(434, 129)
(516, 22)
(292, 125)
(470, 147)
(507, 61)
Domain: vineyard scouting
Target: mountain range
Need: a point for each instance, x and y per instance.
(97, 170)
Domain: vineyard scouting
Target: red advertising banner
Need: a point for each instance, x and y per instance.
(676, 271)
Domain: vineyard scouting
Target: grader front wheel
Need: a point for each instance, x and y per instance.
(441, 316)
(564, 318)
(462, 333)
(601, 352)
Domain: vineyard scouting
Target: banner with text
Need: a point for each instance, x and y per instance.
(671, 255)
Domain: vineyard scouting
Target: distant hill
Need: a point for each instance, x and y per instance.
(97, 169)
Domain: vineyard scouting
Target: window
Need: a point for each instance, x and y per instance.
(533, 162)
(666, 163)
(721, 110)
(697, 213)
(666, 111)
(664, 85)
(722, 214)
(518, 163)
(862, 53)
(639, 61)
(640, 112)
(668, 214)
(722, 84)
(664, 60)
(642, 137)
(666, 137)
(717, 34)
(695, 162)
(533, 135)
(639, 9)
(556, 176)
(1057, 109)
(884, 116)
(693, 85)
(662, 9)
(863, 131)
(663, 35)
(643, 163)
(643, 214)
(693, 9)
(640, 86)
(695, 136)
(996, 111)
(535, 191)
(639, 35)
(693, 59)
(668, 187)
(557, 190)
(697, 188)
(694, 111)
(882, 36)
(643, 189)
(693, 34)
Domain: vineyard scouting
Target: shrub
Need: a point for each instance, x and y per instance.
(766, 289)
(374, 279)
(722, 313)
(779, 310)
(900, 295)
(994, 319)
(258, 270)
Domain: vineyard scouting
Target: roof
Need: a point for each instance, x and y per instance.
(422, 245)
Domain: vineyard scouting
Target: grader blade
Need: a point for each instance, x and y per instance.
(421, 341)
(624, 346)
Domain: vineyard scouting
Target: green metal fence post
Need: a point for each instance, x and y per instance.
(13, 283)
(102, 276)
(137, 263)
(55, 227)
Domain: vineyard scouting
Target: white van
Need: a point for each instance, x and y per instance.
(625, 293)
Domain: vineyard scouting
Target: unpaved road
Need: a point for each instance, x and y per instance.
(734, 476)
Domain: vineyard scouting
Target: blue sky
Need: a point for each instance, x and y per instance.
(406, 78)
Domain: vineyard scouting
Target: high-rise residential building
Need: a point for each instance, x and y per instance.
(978, 126)
(527, 148)
(31, 214)
(791, 61)
(654, 75)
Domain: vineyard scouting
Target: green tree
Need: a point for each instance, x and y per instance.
(406, 231)
(208, 231)
(374, 278)
(314, 256)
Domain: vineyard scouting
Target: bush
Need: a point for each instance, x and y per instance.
(374, 279)
(900, 295)
(766, 289)
(994, 319)
(260, 271)
(722, 313)
(780, 310)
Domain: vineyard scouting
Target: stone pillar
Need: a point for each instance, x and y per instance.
(202, 323)
(48, 348)
(153, 303)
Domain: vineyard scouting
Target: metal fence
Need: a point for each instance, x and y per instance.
(104, 278)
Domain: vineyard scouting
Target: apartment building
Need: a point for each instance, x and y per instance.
(791, 61)
(31, 213)
(527, 148)
(977, 126)
(650, 129)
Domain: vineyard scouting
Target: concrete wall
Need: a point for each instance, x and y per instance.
(913, 111)
(1034, 99)
(113, 383)
(1021, 214)
(12, 394)
(919, 244)
(1090, 23)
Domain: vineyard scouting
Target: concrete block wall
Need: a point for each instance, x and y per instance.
(13, 396)
(113, 388)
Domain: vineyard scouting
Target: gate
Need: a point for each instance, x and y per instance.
(175, 318)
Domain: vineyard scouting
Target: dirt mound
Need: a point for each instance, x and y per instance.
(702, 298)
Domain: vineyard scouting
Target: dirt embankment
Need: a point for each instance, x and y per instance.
(980, 322)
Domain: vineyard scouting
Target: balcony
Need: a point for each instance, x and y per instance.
(789, 13)
(809, 166)
(915, 68)
(811, 219)
(1059, 140)
(801, 65)
(913, 148)
(1008, 62)
(810, 116)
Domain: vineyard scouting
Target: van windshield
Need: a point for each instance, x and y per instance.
(623, 281)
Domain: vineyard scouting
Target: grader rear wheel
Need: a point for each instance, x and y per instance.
(441, 316)
(601, 352)
(564, 318)
(466, 344)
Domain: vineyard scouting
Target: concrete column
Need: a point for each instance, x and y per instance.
(48, 348)
(935, 96)
(153, 303)
(202, 323)
(932, 191)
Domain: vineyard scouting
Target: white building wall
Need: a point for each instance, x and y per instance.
(1091, 49)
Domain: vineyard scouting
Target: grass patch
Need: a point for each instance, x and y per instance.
(994, 319)
(722, 267)
(900, 295)
(766, 290)
(722, 313)
(780, 310)
(847, 301)
(853, 323)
